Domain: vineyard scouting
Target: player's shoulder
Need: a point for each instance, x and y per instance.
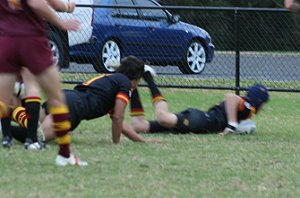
(245, 103)
(119, 77)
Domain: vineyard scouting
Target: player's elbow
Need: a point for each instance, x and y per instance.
(117, 119)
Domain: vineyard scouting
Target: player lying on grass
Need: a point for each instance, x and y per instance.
(105, 94)
(222, 118)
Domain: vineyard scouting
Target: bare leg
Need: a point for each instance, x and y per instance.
(50, 83)
(140, 124)
(163, 116)
(48, 128)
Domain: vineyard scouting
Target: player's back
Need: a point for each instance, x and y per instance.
(17, 19)
(101, 92)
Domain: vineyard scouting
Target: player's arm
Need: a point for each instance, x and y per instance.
(61, 6)
(232, 102)
(41, 8)
(129, 132)
(117, 120)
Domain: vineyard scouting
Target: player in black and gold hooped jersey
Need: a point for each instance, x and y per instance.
(109, 93)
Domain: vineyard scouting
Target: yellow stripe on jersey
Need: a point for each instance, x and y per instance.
(15, 4)
(59, 110)
(123, 97)
(93, 80)
(66, 139)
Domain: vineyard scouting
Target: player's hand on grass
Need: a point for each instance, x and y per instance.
(226, 132)
(153, 141)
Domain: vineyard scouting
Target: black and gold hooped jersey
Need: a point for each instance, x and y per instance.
(100, 93)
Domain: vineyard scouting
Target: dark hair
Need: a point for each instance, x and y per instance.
(132, 67)
(258, 94)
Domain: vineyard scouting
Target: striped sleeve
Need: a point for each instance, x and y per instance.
(122, 96)
(245, 110)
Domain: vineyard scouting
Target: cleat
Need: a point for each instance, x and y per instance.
(147, 68)
(72, 160)
(6, 142)
(33, 146)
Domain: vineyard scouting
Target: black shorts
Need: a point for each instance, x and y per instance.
(74, 104)
(196, 121)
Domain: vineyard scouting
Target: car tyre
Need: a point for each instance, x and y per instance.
(195, 59)
(57, 48)
(110, 53)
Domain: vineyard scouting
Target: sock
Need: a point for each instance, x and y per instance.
(6, 121)
(32, 106)
(18, 133)
(156, 94)
(156, 127)
(6, 127)
(136, 107)
(61, 126)
(20, 117)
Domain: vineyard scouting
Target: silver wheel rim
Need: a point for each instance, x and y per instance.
(196, 57)
(110, 54)
(55, 51)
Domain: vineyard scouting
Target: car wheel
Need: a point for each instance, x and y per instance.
(195, 59)
(56, 46)
(110, 53)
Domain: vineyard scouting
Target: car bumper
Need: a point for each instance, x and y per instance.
(210, 52)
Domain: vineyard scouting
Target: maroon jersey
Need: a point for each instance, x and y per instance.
(17, 19)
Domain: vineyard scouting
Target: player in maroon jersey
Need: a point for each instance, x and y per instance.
(24, 43)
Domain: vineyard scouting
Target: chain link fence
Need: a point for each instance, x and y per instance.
(251, 45)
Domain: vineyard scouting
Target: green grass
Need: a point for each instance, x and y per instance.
(266, 164)
(192, 81)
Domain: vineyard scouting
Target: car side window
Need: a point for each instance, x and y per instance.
(157, 14)
(125, 12)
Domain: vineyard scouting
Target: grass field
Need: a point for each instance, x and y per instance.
(266, 164)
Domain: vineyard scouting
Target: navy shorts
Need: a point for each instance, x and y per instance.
(196, 121)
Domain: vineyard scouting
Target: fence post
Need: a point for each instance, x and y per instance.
(237, 50)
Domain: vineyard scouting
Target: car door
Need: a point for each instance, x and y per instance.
(164, 40)
(85, 16)
(130, 29)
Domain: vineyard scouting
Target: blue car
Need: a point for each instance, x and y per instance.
(154, 35)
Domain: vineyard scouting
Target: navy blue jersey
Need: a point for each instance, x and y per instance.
(100, 93)
(96, 97)
(212, 121)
